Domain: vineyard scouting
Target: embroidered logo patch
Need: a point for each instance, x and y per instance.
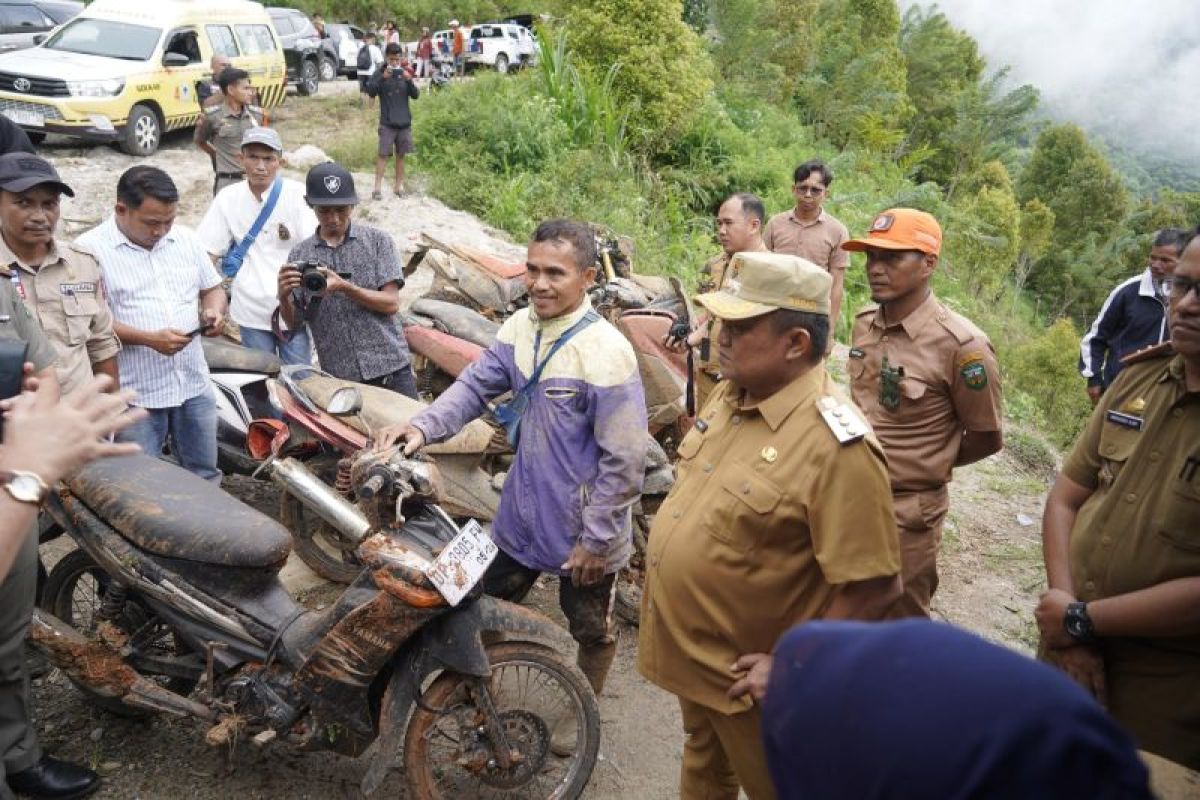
(332, 183)
(284, 233)
(882, 223)
(1137, 407)
(973, 371)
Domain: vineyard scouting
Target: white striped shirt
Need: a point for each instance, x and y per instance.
(150, 290)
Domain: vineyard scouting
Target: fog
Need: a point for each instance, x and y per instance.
(1126, 69)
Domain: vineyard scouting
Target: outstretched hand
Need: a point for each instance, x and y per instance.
(52, 438)
(411, 435)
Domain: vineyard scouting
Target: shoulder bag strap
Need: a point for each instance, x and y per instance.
(584, 321)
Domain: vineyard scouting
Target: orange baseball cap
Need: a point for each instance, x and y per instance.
(901, 229)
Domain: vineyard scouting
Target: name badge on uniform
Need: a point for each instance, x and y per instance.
(84, 287)
(857, 353)
(1124, 420)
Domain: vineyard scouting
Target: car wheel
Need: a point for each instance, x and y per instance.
(502, 63)
(328, 69)
(310, 77)
(142, 132)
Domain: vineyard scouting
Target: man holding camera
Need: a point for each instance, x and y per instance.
(393, 83)
(249, 230)
(156, 276)
(344, 282)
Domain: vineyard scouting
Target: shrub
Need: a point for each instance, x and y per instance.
(1044, 369)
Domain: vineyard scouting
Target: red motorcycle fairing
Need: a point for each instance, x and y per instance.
(325, 427)
(451, 354)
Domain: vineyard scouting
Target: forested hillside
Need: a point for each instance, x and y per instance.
(644, 114)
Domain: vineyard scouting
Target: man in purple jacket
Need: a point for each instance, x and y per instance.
(565, 506)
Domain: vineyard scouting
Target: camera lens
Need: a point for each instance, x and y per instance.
(313, 281)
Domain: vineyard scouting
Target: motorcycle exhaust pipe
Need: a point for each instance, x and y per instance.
(300, 482)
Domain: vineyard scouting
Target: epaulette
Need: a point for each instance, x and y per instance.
(962, 329)
(869, 309)
(1161, 350)
(214, 109)
(843, 419)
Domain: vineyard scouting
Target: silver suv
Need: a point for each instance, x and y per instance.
(21, 21)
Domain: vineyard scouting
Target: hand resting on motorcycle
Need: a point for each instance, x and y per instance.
(390, 435)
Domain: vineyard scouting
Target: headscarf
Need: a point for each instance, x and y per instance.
(918, 710)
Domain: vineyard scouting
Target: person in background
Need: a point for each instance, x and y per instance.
(164, 292)
(59, 283)
(917, 710)
(13, 138)
(208, 93)
(370, 58)
(739, 229)
(1121, 539)
(1133, 316)
(928, 381)
(811, 232)
(565, 508)
(230, 217)
(458, 48)
(780, 513)
(393, 83)
(353, 320)
(222, 127)
(425, 55)
(319, 23)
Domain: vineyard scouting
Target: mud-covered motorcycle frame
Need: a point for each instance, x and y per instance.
(358, 676)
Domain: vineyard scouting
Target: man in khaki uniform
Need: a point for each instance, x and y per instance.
(59, 283)
(812, 233)
(1121, 535)
(222, 126)
(781, 513)
(739, 228)
(928, 381)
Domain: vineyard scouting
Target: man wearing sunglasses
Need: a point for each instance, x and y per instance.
(927, 380)
(1121, 535)
(811, 232)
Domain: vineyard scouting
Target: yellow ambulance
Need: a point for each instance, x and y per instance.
(126, 71)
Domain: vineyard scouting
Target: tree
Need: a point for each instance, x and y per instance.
(665, 72)
(984, 244)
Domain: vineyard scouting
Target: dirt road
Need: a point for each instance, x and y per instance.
(991, 572)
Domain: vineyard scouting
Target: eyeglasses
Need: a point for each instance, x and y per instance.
(810, 191)
(1177, 288)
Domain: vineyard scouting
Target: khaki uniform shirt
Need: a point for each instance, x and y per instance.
(1140, 454)
(950, 384)
(769, 514)
(17, 323)
(223, 129)
(819, 242)
(66, 297)
(712, 278)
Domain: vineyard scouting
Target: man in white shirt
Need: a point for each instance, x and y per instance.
(163, 292)
(230, 218)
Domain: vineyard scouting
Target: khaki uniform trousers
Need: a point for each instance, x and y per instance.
(19, 749)
(919, 518)
(722, 752)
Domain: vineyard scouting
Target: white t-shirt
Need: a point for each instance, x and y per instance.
(228, 220)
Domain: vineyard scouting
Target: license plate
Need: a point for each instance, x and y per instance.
(462, 563)
(23, 117)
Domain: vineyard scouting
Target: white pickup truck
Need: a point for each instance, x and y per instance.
(501, 45)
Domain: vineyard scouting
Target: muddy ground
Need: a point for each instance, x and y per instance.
(990, 577)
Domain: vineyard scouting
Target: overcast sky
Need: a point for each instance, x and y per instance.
(1130, 67)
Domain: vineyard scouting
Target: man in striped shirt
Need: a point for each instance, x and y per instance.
(163, 291)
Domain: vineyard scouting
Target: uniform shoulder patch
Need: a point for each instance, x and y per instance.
(973, 370)
(843, 419)
(1149, 353)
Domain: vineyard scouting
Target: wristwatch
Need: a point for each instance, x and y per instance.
(25, 487)
(1078, 623)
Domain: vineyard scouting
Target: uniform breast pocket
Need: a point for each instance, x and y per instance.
(79, 311)
(743, 508)
(1116, 446)
(566, 397)
(1179, 519)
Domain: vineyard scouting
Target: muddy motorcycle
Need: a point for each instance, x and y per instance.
(190, 618)
(308, 433)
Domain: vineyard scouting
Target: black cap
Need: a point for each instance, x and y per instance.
(21, 171)
(330, 184)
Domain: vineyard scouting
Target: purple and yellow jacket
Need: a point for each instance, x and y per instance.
(582, 453)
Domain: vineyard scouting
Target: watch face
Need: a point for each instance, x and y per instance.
(25, 488)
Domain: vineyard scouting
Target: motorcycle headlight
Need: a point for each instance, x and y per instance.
(110, 87)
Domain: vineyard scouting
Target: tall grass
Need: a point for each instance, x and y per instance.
(586, 104)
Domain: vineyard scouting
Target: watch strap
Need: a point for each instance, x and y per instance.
(8, 476)
(1078, 623)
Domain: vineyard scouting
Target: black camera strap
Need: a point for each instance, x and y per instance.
(308, 308)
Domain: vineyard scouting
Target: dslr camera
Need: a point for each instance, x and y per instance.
(310, 276)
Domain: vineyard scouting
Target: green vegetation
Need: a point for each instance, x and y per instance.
(644, 114)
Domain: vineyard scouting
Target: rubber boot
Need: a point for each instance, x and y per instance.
(594, 662)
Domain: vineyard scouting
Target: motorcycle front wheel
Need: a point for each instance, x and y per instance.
(547, 711)
(320, 545)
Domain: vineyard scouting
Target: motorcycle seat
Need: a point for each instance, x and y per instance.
(225, 356)
(167, 511)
